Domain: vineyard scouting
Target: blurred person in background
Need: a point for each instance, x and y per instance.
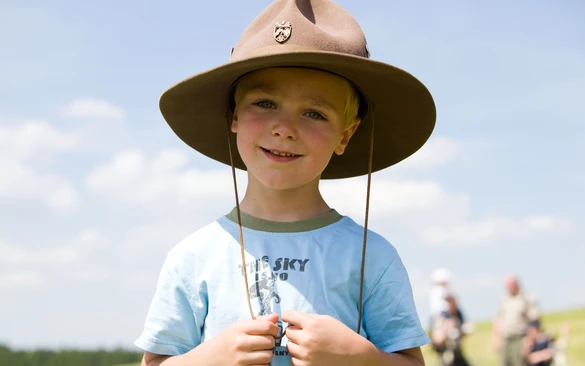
(538, 346)
(440, 279)
(516, 310)
(448, 330)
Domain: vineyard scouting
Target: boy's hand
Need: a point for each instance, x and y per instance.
(247, 342)
(323, 340)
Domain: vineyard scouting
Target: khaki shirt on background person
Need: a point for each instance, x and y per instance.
(514, 314)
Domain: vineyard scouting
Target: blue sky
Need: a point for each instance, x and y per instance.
(95, 188)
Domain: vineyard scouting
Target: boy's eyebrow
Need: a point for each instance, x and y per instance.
(263, 88)
(322, 102)
(315, 99)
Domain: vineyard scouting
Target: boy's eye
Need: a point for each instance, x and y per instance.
(315, 115)
(265, 104)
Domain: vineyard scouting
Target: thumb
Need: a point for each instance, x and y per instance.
(273, 318)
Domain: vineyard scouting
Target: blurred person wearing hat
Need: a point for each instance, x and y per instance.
(298, 87)
(538, 346)
(439, 291)
(517, 309)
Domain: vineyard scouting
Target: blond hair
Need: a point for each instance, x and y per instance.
(352, 104)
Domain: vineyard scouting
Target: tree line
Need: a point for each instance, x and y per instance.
(41, 357)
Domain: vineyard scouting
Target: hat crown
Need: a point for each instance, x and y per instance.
(296, 25)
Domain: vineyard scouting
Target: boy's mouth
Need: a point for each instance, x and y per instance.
(280, 153)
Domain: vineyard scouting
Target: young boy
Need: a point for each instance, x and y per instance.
(283, 279)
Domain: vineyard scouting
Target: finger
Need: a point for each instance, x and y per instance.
(251, 343)
(296, 358)
(260, 342)
(270, 317)
(296, 362)
(294, 317)
(260, 358)
(293, 333)
(294, 349)
(293, 328)
(262, 327)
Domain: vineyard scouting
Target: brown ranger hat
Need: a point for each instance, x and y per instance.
(317, 34)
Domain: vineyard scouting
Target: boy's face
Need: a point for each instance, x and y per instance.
(289, 122)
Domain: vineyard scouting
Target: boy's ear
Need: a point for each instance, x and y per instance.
(346, 136)
(234, 126)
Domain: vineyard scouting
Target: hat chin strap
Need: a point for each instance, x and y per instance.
(242, 252)
(363, 265)
(363, 261)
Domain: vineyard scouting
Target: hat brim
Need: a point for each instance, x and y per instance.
(404, 111)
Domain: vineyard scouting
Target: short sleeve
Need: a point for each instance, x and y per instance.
(174, 321)
(390, 317)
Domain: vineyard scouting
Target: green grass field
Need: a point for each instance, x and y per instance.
(478, 346)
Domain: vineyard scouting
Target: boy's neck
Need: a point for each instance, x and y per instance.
(284, 205)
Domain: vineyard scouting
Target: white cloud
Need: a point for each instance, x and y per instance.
(94, 109)
(547, 223)
(437, 151)
(163, 180)
(491, 230)
(33, 139)
(21, 182)
(62, 199)
(408, 204)
(24, 144)
(28, 264)
(387, 195)
(20, 279)
(145, 245)
(19, 256)
(11, 253)
(89, 237)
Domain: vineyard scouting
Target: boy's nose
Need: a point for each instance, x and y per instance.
(285, 127)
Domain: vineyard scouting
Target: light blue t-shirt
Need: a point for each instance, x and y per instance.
(311, 266)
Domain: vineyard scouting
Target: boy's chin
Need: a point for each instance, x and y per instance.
(285, 182)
